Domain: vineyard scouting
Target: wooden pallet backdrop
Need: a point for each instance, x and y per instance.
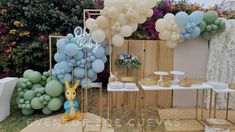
(154, 56)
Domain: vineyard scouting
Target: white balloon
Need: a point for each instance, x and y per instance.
(118, 40)
(89, 22)
(171, 44)
(122, 19)
(98, 35)
(141, 7)
(113, 12)
(160, 25)
(166, 34)
(134, 26)
(142, 19)
(149, 13)
(151, 3)
(169, 17)
(102, 22)
(126, 31)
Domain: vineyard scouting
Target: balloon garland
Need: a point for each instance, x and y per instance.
(36, 91)
(77, 52)
(180, 27)
(119, 19)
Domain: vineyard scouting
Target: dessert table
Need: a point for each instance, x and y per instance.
(197, 87)
(225, 90)
(126, 91)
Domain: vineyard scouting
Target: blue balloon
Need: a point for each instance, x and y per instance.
(86, 81)
(98, 66)
(187, 36)
(196, 17)
(93, 78)
(79, 72)
(88, 59)
(92, 58)
(193, 25)
(71, 49)
(57, 57)
(60, 76)
(89, 54)
(187, 27)
(181, 18)
(73, 61)
(99, 52)
(78, 62)
(104, 59)
(68, 77)
(196, 32)
(63, 65)
(79, 55)
(83, 61)
(88, 65)
(91, 73)
(69, 36)
(82, 65)
(60, 44)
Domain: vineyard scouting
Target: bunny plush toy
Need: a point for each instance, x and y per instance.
(71, 106)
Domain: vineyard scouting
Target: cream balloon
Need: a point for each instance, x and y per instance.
(160, 25)
(162, 37)
(149, 13)
(102, 22)
(98, 35)
(141, 7)
(134, 26)
(118, 40)
(89, 22)
(151, 3)
(166, 34)
(113, 12)
(171, 44)
(126, 31)
(122, 19)
(142, 19)
(169, 17)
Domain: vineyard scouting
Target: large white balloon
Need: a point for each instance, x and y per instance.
(122, 19)
(98, 35)
(151, 3)
(126, 31)
(113, 12)
(118, 40)
(149, 13)
(134, 26)
(102, 22)
(169, 17)
(160, 25)
(89, 23)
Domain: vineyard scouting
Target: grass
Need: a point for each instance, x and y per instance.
(17, 121)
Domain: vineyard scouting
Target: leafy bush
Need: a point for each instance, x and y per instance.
(24, 29)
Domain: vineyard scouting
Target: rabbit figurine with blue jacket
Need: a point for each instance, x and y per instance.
(71, 106)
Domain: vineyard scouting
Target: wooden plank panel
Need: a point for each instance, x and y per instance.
(165, 64)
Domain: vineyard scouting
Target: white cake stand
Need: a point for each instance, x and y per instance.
(161, 74)
(176, 75)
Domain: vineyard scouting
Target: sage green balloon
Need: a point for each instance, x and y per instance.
(47, 98)
(23, 85)
(27, 112)
(51, 78)
(214, 27)
(36, 103)
(41, 90)
(46, 74)
(29, 95)
(221, 29)
(210, 17)
(55, 104)
(35, 77)
(19, 82)
(202, 26)
(208, 28)
(222, 23)
(21, 101)
(54, 88)
(213, 32)
(27, 73)
(46, 111)
(35, 86)
(28, 106)
(29, 84)
(207, 35)
(217, 22)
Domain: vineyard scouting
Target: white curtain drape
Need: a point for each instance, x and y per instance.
(221, 63)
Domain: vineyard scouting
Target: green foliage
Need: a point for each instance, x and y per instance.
(24, 29)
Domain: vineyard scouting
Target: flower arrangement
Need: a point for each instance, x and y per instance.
(126, 60)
